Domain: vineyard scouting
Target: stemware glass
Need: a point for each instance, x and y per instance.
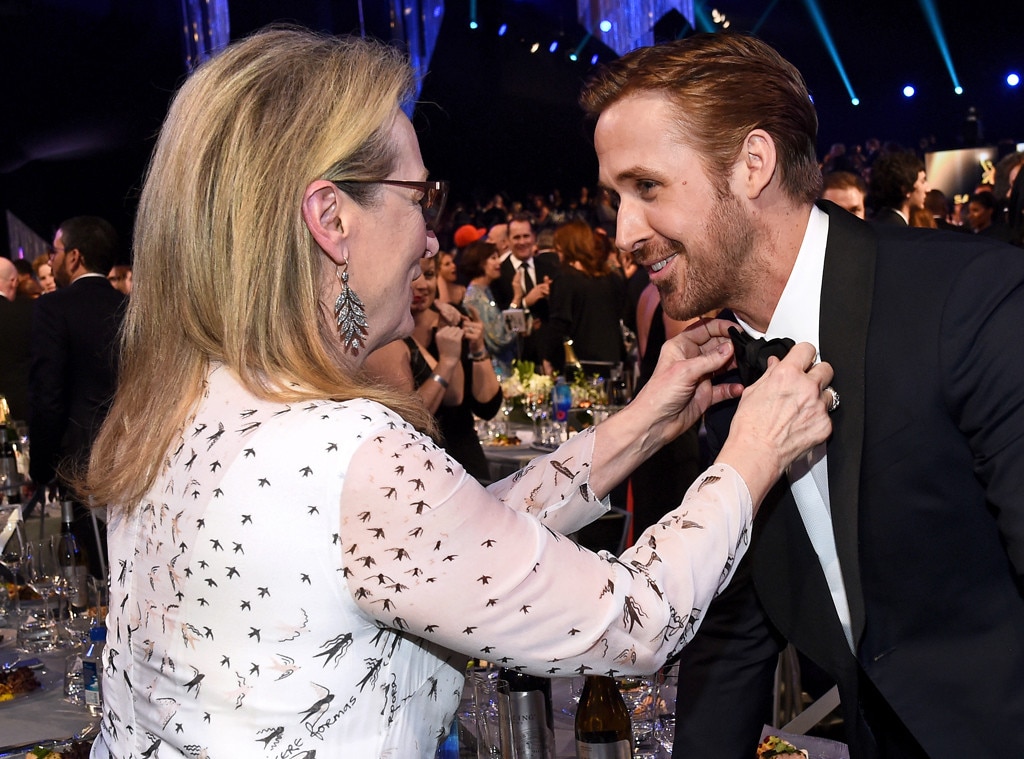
(13, 553)
(639, 693)
(40, 631)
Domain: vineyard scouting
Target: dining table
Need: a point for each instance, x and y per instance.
(44, 714)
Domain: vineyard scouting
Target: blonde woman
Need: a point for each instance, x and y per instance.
(296, 567)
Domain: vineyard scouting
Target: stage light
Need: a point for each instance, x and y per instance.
(606, 26)
(958, 90)
(855, 101)
(573, 57)
(553, 46)
(826, 37)
(502, 29)
(1013, 80)
(931, 15)
(473, 25)
(593, 59)
(534, 47)
(908, 91)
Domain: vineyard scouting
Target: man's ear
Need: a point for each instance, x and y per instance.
(73, 261)
(759, 162)
(326, 210)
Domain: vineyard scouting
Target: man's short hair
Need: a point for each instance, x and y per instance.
(723, 86)
(521, 217)
(844, 180)
(96, 241)
(893, 176)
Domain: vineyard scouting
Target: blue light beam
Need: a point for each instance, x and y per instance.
(826, 37)
(932, 17)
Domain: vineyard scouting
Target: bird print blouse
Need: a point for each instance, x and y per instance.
(308, 580)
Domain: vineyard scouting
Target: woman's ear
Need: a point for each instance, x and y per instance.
(325, 210)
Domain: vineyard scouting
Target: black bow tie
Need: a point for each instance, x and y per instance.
(752, 353)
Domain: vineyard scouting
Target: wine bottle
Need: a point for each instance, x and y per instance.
(603, 728)
(572, 369)
(71, 558)
(530, 715)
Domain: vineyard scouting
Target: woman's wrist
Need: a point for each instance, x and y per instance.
(478, 354)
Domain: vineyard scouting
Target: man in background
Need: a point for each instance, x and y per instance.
(15, 325)
(74, 360)
(898, 187)
(847, 190)
(892, 556)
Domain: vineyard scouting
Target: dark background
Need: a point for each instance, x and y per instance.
(85, 85)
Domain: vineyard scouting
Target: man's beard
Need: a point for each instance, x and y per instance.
(713, 273)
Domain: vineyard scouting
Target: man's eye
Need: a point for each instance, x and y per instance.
(645, 187)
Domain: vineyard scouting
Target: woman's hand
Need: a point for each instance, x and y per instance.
(449, 345)
(680, 390)
(473, 329)
(671, 402)
(780, 417)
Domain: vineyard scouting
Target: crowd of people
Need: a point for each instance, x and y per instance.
(298, 566)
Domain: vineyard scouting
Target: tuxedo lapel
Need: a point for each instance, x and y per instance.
(846, 296)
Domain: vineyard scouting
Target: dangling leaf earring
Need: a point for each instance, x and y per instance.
(350, 313)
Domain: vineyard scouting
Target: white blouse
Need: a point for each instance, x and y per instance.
(309, 579)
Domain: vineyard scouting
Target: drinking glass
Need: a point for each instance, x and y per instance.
(39, 630)
(640, 693)
(13, 552)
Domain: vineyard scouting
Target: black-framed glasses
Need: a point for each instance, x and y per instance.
(435, 195)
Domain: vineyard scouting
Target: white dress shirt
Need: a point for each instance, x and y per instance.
(797, 316)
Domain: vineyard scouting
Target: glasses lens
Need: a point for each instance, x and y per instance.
(433, 203)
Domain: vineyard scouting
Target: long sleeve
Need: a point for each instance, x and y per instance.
(488, 572)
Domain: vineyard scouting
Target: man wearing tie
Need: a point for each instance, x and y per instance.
(537, 273)
(893, 557)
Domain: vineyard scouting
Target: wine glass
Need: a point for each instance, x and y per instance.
(640, 693)
(13, 552)
(39, 632)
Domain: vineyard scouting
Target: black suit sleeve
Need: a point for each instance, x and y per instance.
(728, 670)
(983, 359)
(48, 389)
(729, 667)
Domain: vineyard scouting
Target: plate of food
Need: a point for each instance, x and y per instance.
(17, 683)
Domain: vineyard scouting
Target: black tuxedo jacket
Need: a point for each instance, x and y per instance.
(74, 371)
(546, 265)
(926, 483)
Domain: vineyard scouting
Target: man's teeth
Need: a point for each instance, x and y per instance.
(661, 264)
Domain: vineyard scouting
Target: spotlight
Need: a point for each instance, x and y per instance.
(606, 26)
(1013, 80)
(473, 25)
(908, 91)
(573, 57)
(855, 101)
(502, 29)
(593, 59)
(553, 46)
(534, 47)
(958, 90)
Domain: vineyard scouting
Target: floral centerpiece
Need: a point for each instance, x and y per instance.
(524, 386)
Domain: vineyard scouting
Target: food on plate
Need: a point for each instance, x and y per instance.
(504, 440)
(17, 682)
(773, 746)
(72, 750)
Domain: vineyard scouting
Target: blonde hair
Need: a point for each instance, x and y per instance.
(225, 268)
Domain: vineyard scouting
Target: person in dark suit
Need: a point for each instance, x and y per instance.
(892, 557)
(898, 187)
(15, 322)
(537, 272)
(74, 360)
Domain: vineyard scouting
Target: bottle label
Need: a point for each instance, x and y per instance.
(617, 750)
(528, 719)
